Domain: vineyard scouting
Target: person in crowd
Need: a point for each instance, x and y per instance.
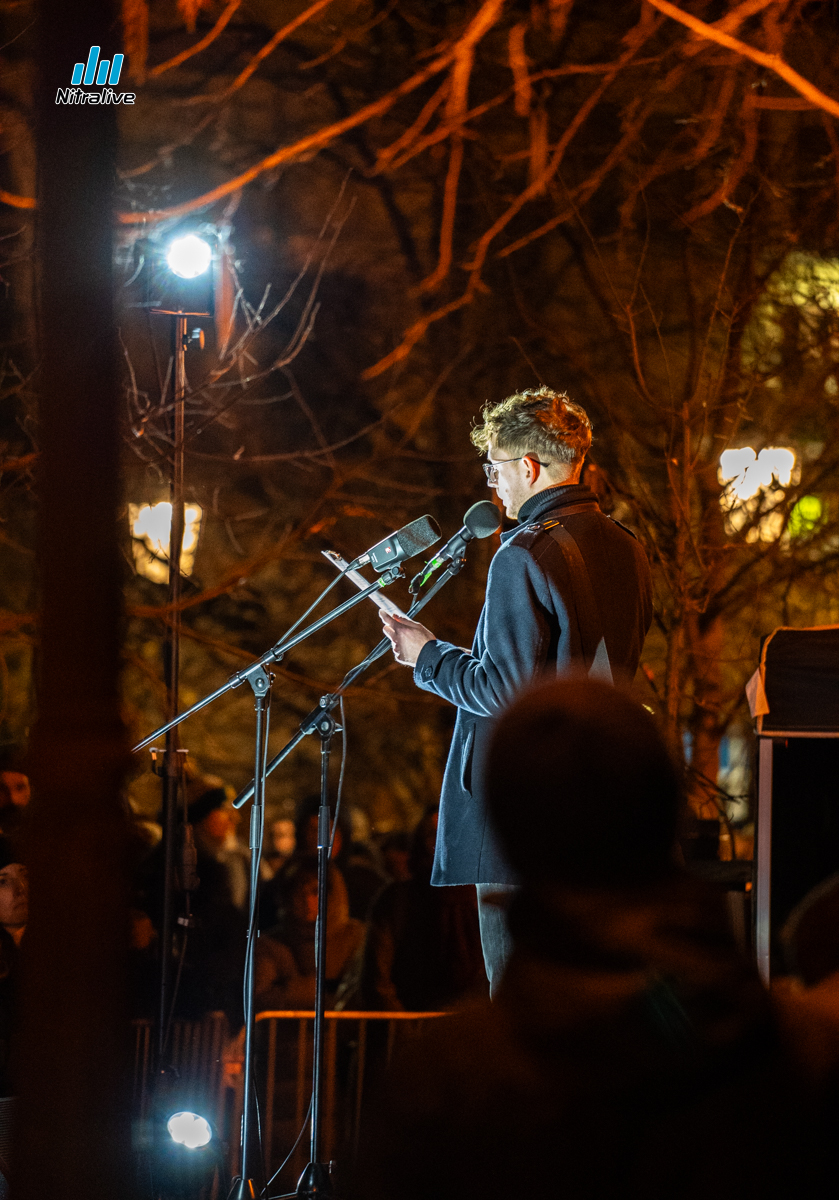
(14, 790)
(216, 821)
(282, 841)
(285, 954)
(568, 587)
(423, 946)
(14, 914)
(631, 1050)
(359, 877)
(212, 941)
(396, 855)
(275, 893)
(363, 873)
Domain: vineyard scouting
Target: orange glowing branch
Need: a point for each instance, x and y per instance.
(712, 118)
(260, 56)
(447, 129)
(536, 186)
(456, 107)
(583, 191)
(19, 464)
(447, 223)
(304, 146)
(413, 335)
(518, 65)
(201, 44)
(736, 171)
(772, 62)
(386, 156)
(16, 201)
(642, 31)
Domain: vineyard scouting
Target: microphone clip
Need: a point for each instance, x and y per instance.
(455, 564)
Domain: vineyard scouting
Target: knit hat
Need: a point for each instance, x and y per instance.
(206, 803)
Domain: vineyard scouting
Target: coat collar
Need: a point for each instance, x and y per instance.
(550, 500)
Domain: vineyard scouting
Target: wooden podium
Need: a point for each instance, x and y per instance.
(794, 697)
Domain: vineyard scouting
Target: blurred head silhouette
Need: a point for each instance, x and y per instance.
(581, 787)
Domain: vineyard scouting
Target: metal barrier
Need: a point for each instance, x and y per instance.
(206, 1079)
(348, 1062)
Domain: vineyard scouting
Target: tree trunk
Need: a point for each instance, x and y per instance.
(74, 1122)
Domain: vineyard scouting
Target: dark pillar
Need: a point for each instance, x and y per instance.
(73, 1136)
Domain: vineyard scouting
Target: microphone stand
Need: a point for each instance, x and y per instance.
(245, 1187)
(315, 1183)
(277, 652)
(330, 700)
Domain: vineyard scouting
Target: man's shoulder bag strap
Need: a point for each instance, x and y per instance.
(591, 641)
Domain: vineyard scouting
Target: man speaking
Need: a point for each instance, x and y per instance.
(568, 590)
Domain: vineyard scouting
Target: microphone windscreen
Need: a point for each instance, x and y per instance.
(482, 519)
(419, 535)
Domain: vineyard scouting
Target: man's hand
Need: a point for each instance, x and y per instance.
(406, 637)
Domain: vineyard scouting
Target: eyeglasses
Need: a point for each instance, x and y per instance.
(491, 468)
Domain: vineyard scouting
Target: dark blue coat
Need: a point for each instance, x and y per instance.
(523, 631)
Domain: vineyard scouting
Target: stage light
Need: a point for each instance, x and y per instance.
(189, 256)
(190, 1130)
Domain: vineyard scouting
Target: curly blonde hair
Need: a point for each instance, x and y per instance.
(536, 421)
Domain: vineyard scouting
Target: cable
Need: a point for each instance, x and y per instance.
(341, 775)
(288, 1157)
(175, 989)
(250, 952)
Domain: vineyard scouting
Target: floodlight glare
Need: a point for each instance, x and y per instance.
(190, 1130)
(189, 256)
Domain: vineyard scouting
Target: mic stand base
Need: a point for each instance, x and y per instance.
(315, 1183)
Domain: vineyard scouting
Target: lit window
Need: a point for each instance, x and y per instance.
(150, 532)
(754, 484)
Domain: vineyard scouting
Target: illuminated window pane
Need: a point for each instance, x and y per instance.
(753, 484)
(150, 532)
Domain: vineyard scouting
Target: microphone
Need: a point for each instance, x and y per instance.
(480, 521)
(407, 542)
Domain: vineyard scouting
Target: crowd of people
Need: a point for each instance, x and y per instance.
(394, 942)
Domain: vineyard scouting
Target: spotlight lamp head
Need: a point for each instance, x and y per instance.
(190, 1130)
(189, 256)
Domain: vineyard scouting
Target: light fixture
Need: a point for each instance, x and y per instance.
(189, 1129)
(189, 256)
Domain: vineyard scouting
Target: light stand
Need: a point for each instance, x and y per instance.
(172, 759)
